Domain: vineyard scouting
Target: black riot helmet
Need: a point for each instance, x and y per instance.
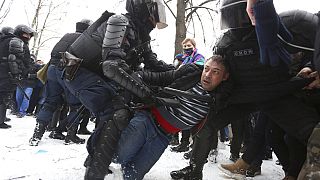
(7, 30)
(83, 25)
(234, 14)
(146, 9)
(22, 29)
(303, 26)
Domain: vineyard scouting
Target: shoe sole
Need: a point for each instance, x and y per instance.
(232, 175)
(34, 142)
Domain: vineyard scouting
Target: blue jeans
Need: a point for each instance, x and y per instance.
(22, 101)
(140, 147)
(54, 91)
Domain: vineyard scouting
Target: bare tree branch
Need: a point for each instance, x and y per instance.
(197, 7)
(166, 3)
(3, 2)
(202, 27)
(6, 10)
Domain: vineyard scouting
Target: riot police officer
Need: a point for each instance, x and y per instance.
(121, 41)
(259, 80)
(6, 30)
(55, 89)
(14, 64)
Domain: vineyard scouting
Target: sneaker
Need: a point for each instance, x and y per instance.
(7, 119)
(234, 158)
(253, 171)
(4, 126)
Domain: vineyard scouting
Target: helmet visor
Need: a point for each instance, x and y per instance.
(28, 30)
(157, 10)
(234, 15)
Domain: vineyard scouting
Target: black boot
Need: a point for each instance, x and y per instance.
(56, 134)
(72, 136)
(84, 131)
(97, 164)
(183, 147)
(4, 126)
(188, 173)
(37, 134)
(83, 125)
(187, 155)
(3, 110)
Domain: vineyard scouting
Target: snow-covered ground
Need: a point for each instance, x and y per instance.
(52, 160)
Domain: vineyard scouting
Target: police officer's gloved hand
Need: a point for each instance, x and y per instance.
(112, 65)
(148, 101)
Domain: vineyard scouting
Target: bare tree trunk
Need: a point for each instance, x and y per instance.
(35, 25)
(180, 26)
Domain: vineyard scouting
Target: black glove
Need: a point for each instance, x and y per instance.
(122, 114)
(110, 64)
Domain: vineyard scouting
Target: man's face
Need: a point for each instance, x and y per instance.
(26, 36)
(212, 75)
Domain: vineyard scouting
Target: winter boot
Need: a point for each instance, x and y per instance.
(188, 173)
(183, 147)
(37, 134)
(83, 125)
(84, 131)
(236, 170)
(4, 126)
(56, 134)
(187, 155)
(3, 110)
(72, 136)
